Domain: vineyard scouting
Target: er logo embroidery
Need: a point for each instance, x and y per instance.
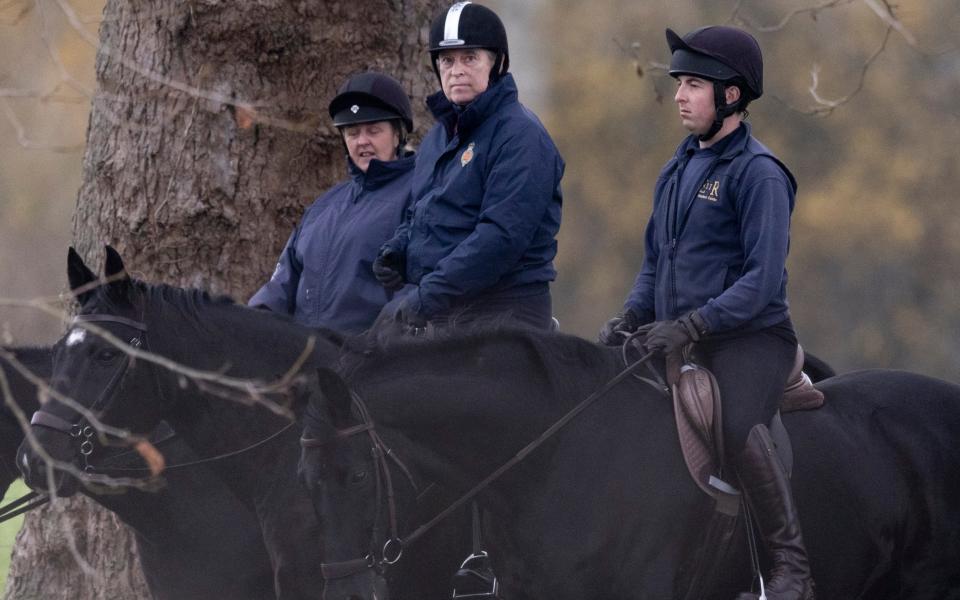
(710, 190)
(467, 155)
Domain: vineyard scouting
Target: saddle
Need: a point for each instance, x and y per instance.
(696, 402)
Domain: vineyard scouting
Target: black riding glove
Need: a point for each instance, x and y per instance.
(616, 330)
(668, 337)
(387, 269)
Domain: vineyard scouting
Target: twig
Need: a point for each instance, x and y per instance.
(217, 98)
(735, 16)
(25, 141)
(825, 106)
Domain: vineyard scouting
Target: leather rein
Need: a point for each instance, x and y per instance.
(84, 433)
(393, 548)
(396, 544)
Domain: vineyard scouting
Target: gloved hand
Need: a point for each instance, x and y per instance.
(409, 317)
(616, 330)
(668, 337)
(387, 268)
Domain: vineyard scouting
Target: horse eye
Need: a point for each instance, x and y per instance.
(107, 354)
(358, 477)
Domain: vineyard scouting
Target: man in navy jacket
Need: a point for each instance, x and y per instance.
(480, 236)
(714, 273)
(324, 275)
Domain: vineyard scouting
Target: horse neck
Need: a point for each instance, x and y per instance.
(241, 343)
(464, 411)
(247, 343)
(252, 442)
(460, 414)
(24, 393)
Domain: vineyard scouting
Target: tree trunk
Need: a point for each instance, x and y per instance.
(44, 564)
(207, 138)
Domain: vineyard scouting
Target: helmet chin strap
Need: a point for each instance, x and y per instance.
(721, 112)
(495, 73)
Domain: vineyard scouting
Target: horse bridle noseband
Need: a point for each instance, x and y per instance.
(380, 451)
(87, 432)
(80, 431)
(392, 548)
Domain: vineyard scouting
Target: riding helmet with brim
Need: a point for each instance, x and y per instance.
(469, 25)
(724, 56)
(718, 53)
(370, 97)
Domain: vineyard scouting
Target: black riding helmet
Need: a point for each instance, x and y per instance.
(725, 56)
(369, 97)
(469, 25)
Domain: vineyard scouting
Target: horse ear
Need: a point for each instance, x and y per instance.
(79, 276)
(116, 274)
(113, 264)
(337, 396)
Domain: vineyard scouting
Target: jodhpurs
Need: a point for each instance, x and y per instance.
(751, 370)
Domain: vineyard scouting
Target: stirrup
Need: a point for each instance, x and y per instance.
(476, 579)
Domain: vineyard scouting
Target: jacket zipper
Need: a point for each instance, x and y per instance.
(673, 210)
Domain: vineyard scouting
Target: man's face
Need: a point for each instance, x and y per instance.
(694, 98)
(464, 73)
(367, 141)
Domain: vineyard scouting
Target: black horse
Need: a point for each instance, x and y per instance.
(194, 537)
(605, 509)
(23, 393)
(259, 446)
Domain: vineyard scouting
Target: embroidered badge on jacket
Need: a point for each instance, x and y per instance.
(710, 190)
(467, 155)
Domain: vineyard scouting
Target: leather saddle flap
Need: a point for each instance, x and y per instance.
(697, 412)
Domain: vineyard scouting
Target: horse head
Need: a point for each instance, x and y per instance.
(360, 489)
(93, 366)
(16, 363)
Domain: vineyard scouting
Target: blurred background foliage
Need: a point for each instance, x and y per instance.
(874, 277)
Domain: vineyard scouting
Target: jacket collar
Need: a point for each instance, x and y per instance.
(380, 173)
(469, 117)
(727, 148)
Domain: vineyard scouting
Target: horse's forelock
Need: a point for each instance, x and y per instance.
(103, 301)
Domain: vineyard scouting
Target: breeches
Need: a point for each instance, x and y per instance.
(751, 370)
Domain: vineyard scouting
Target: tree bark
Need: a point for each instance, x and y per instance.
(207, 138)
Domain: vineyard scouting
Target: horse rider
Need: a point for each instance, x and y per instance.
(714, 273)
(324, 275)
(480, 235)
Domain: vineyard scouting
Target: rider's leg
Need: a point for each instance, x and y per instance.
(751, 370)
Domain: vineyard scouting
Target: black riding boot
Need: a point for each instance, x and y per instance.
(768, 491)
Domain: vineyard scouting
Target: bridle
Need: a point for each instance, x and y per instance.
(392, 548)
(81, 431)
(380, 451)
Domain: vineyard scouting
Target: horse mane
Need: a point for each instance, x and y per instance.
(554, 353)
(195, 304)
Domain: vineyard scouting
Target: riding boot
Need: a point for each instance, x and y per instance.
(767, 489)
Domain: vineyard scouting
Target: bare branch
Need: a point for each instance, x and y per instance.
(825, 106)
(218, 99)
(885, 12)
(248, 391)
(25, 141)
(736, 16)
